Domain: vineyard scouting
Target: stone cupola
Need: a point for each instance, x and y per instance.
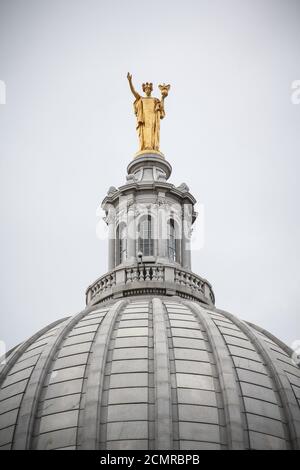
(149, 228)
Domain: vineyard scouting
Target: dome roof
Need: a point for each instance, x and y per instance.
(150, 372)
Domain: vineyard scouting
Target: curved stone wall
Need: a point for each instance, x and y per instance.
(150, 373)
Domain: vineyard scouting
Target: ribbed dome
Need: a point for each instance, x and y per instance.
(150, 373)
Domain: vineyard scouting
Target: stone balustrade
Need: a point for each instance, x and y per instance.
(103, 284)
(149, 278)
(184, 278)
(145, 273)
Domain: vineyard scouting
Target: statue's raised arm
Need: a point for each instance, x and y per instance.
(134, 92)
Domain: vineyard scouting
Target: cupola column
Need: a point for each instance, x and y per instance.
(162, 234)
(111, 242)
(131, 235)
(186, 240)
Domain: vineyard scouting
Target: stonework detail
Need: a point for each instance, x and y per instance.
(151, 277)
(150, 373)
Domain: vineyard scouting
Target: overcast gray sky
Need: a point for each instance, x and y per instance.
(67, 132)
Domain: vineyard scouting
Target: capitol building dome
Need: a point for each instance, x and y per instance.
(150, 372)
(151, 362)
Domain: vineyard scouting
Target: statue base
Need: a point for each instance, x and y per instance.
(149, 152)
(149, 165)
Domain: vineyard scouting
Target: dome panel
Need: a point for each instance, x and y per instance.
(150, 373)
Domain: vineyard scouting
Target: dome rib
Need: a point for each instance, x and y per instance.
(162, 379)
(15, 378)
(127, 408)
(284, 389)
(21, 348)
(28, 408)
(227, 377)
(198, 411)
(172, 375)
(58, 422)
(95, 381)
(273, 338)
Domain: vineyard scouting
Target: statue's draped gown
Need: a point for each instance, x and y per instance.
(148, 111)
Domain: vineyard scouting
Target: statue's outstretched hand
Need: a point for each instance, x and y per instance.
(129, 76)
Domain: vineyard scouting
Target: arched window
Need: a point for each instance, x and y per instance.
(145, 240)
(172, 248)
(121, 243)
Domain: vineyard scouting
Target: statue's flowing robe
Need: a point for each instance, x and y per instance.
(148, 112)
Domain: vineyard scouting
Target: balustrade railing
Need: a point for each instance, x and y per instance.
(184, 278)
(145, 273)
(102, 284)
(150, 276)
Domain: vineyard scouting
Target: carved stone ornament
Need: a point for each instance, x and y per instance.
(111, 190)
(183, 187)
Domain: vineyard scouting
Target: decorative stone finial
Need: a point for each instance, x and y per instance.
(183, 187)
(111, 190)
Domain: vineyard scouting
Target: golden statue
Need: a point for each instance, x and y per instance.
(148, 111)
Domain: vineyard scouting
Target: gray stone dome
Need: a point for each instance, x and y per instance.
(150, 372)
